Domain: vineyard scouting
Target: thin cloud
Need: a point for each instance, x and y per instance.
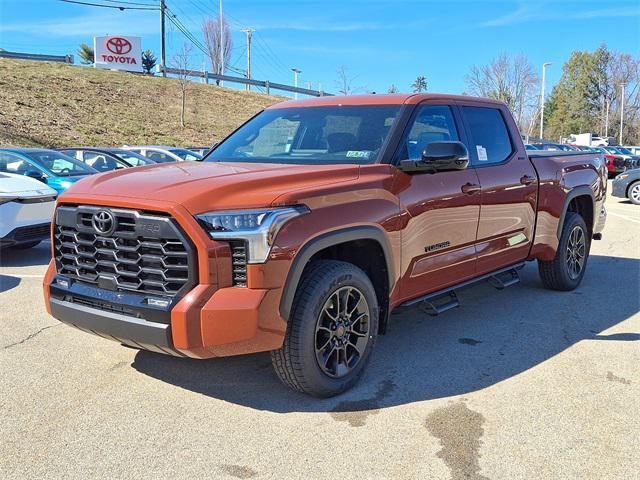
(86, 25)
(313, 25)
(526, 13)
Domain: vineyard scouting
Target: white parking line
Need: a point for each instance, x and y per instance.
(634, 220)
(22, 275)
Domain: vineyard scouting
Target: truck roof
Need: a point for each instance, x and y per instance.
(375, 99)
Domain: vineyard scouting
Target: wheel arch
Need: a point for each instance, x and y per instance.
(325, 242)
(582, 201)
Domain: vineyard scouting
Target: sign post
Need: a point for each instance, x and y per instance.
(118, 53)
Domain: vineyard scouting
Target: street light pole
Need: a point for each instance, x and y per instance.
(606, 121)
(295, 80)
(621, 111)
(544, 68)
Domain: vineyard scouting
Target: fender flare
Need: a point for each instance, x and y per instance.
(325, 240)
(580, 191)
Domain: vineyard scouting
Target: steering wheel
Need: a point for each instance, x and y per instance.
(65, 170)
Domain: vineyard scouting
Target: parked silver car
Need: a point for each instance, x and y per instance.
(164, 154)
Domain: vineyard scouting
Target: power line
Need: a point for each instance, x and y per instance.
(131, 3)
(116, 7)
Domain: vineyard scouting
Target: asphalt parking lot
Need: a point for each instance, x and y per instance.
(520, 383)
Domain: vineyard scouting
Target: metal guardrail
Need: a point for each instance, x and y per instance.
(266, 84)
(35, 56)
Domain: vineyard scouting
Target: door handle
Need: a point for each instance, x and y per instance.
(470, 188)
(527, 180)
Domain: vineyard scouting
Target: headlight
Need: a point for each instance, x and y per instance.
(65, 184)
(622, 176)
(257, 227)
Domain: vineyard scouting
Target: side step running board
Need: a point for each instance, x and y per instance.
(437, 305)
(503, 280)
(438, 302)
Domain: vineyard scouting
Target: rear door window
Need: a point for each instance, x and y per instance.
(489, 136)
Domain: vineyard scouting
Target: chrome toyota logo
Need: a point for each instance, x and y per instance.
(103, 222)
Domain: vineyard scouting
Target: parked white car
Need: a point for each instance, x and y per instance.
(26, 207)
(164, 154)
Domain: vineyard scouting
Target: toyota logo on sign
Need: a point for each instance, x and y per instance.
(103, 222)
(118, 45)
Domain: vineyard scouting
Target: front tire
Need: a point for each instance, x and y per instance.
(566, 270)
(332, 330)
(633, 194)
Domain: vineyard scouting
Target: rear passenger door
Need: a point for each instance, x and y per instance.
(509, 186)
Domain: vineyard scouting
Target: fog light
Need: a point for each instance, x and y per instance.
(62, 282)
(156, 302)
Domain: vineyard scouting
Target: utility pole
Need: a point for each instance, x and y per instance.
(621, 111)
(162, 46)
(248, 31)
(221, 45)
(544, 68)
(296, 72)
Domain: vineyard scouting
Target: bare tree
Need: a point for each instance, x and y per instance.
(344, 82)
(510, 79)
(212, 28)
(181, 61)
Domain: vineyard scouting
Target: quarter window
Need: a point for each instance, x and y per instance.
(490, 142)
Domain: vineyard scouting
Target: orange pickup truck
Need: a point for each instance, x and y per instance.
(304, 229)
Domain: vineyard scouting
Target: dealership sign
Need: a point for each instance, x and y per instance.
(120, 53)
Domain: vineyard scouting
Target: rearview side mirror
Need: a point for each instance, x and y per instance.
(439, 157)
(37, 175)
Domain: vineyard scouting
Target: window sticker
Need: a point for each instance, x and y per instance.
(358, 154)
(482, 153)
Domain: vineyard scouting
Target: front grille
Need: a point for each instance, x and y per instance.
(239, 262)
(32, 232)
(145, 253)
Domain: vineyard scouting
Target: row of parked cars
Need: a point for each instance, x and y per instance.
(32, 178)
(618, 159)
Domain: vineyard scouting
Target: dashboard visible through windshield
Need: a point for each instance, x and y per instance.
(318, 135)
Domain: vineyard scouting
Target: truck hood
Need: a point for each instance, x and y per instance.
(205, 186)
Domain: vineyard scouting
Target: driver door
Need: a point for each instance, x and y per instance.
(441, 210)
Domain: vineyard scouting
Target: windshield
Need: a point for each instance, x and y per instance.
(185, 154)
(312, 135)
(611, 150)
(626, 151)
(59, 164)
(132, 158)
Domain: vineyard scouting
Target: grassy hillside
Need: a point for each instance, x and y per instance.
(56, 105)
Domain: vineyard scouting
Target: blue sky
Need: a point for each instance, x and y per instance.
(380, 42)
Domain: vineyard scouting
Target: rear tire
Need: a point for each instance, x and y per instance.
(566, 270)
(332, 330)
(633, 193)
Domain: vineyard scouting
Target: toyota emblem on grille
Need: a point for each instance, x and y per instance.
(103, 222)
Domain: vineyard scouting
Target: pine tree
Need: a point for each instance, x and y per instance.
(420, 85)
(149, 61)
(85, 52)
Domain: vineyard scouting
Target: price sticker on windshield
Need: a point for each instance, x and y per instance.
(482, 153)
(358, 154)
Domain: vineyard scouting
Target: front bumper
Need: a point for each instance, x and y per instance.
(26, 234)
(205, 323)
(619, 188)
